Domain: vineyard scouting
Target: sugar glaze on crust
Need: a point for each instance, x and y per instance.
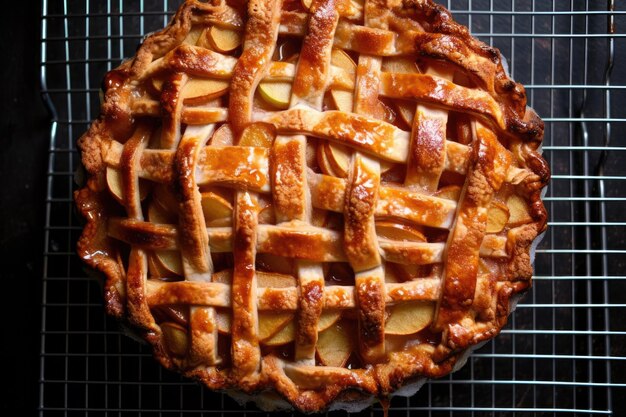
(433, 149)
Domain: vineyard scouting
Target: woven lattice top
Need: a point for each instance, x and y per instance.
(312, 196)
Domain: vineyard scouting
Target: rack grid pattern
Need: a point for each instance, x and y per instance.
(562, 352)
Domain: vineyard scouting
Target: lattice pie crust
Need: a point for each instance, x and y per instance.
(312, 201)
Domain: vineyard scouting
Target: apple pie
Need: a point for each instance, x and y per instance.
(312, 203)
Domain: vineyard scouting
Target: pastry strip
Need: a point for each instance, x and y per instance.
(137, 272)
(313, 72)
(362, 188)
(259, 43)
(194, 242)
(466, 236)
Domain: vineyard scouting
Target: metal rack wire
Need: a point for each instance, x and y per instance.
(563, 350)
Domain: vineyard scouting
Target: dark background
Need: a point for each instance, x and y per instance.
(23, 165)
(25, 127)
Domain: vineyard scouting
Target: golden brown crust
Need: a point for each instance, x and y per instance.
(260, 40)
(185, 234)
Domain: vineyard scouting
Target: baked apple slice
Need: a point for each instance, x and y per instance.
(169, 261)
(519, 211)
(114, 183)
(224, 40)
(198, 91)
(223, 136)
(409, 317)
(258, 134)
(399, 232)
(216, 209)
(193, 36)
(277, 94)
(449, 192)
(288, 333)
(497, 217)
(271, 322)
(176, 338)
(338, 156)
(335, 344)
(324, 163)
(343, 99)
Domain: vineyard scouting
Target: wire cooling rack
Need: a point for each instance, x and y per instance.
(562, 352)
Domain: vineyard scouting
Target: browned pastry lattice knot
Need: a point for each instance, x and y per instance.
(322, 199)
